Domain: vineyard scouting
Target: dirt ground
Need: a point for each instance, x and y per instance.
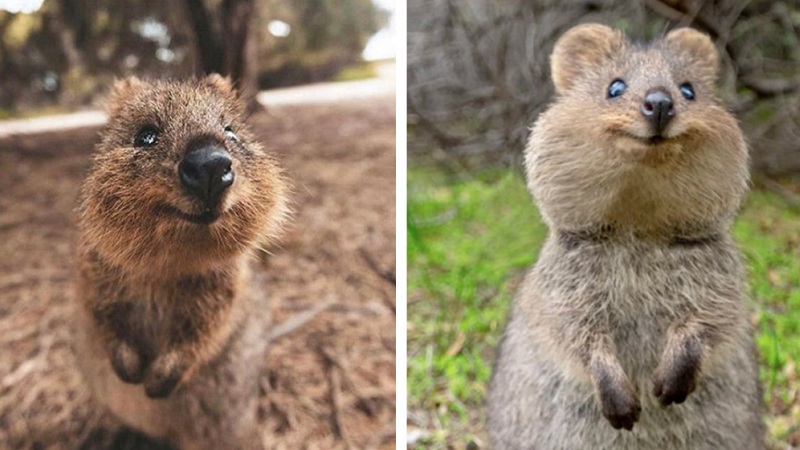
(330, 383)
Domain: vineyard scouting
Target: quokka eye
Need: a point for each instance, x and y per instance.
(147, 136)
(687, 91)
(616, 88)
(229, 133)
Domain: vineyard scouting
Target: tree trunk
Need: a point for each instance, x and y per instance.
(6, 64)
(227, 46)
(209, 47)
(239, 45)
(66, 39)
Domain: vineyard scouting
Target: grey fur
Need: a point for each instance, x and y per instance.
(631, 332)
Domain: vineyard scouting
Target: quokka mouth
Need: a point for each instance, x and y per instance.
(653, 140)
(207, 217)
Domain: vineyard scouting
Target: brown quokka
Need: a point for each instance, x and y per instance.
(171, 333)
(631, 331)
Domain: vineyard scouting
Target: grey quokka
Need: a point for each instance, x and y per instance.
(631, 331)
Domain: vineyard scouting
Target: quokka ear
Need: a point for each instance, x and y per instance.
(221, 84)
(696, 49)
(583, 48)
(123, 90)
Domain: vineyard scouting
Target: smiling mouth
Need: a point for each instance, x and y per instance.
(207, 217)
(647, 140)
(654, 140)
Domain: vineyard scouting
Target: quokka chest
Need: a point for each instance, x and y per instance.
(639, 277)
(170, 312)
(632, 290)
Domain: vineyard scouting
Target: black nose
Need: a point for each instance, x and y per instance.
(206, 172)
(658, 108)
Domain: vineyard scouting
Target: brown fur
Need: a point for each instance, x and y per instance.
(631, 330)
(170, 332)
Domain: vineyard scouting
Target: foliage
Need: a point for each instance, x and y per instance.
(326, 36)
(360, 71)
(479, 75)
(69, 51)
(470, 241)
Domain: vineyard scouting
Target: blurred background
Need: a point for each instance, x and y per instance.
(319, 79)
(60, 54)
(478, 77)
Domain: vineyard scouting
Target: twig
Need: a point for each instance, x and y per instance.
(281, 416)
(26, 368)
(299, 320)
(665, 10)
(386, 435)
(335, 381)
(788, 196)
(769, 87)
(387, 275)
(346, 369)
(442, 138)
(336, 398)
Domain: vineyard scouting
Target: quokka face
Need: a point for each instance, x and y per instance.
(178, 174)
(636, 136)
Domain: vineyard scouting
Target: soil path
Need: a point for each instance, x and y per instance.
(330, 383)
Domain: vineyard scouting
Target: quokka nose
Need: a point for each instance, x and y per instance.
(658, 109)
(206, 172)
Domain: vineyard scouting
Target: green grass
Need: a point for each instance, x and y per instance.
(357, 71)
(769, 235)
(42, 111)
(470, 242)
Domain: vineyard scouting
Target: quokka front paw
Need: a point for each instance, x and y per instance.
(128, 363)
(674, 385)
(676, 376)
(620, 406)
(164, 374)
